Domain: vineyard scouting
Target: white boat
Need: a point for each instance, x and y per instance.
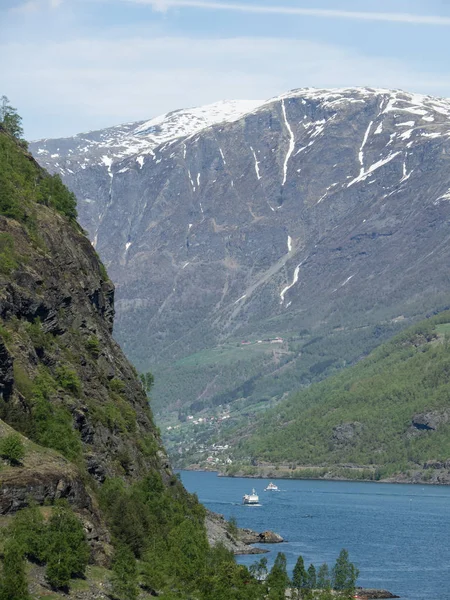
(252, 498)
(271, 488)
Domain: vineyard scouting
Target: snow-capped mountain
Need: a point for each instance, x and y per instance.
(320, 211)
(135, 139)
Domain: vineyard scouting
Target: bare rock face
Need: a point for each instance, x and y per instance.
(63, 297)
(427, 422)
(19, 486)
(346, 433)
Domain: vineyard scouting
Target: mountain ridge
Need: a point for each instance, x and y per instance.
(314, 217)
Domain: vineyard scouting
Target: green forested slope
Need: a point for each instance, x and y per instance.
(389, 413)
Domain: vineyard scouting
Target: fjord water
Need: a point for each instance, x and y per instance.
(397, 535)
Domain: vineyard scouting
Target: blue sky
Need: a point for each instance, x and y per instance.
(77, 65)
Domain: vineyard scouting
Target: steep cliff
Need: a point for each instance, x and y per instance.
(63, 379)
(68, 397)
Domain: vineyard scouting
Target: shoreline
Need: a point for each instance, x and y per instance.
(275, 475)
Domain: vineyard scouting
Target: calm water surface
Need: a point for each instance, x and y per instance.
(397, 535)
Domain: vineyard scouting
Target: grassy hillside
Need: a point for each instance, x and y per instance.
(253, 372)
(388, 414)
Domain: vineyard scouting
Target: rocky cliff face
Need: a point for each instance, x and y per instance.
(57, 307)
(64, 382)
(321, 212)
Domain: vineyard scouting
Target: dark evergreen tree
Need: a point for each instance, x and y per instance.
(311, 577)
(278, 579)
(299, 575)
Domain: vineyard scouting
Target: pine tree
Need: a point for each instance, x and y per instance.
(278, 579)
(324, 577)
(299, 575)
(345, 573)
(13, 582)
(124, 575)
(311, 575)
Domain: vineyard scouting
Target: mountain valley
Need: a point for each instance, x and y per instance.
(258, 247)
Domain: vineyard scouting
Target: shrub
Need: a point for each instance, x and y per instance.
(93, 346)
(52, 425)
(38, 336)
(12, 448)
(22, 381)
(116, 385)
(52, 192)
(232, 526)
(68, 379)
(5, 334)
(8, 260)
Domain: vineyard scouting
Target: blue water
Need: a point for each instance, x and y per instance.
(397, 535)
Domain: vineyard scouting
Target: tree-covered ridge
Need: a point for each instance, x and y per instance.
(389, 413)
(23, 184)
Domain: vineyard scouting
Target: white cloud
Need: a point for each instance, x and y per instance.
(71, 86)
(407, 18)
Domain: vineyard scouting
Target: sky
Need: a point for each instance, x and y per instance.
(76, 65)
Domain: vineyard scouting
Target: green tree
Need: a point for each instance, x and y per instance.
(299, 575)
(278, 579)
(12, 448)
(67, 553)
(188, 551)
(259, 569)
(345, 573)
(324, 577)
(124, 575)
(13, 582)
(311, 577)
(9, 118)
(232, 526)
(147, 381)
(28, 530)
